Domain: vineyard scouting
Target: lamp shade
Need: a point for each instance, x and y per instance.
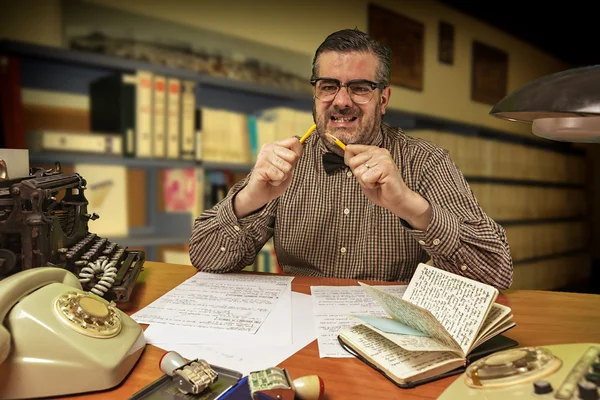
(564, 106)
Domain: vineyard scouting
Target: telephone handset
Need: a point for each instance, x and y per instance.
(19, 285)
(51, 328)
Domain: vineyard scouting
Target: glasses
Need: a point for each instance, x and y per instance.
(360, 90)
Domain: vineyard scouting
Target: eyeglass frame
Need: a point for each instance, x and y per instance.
(374, 85)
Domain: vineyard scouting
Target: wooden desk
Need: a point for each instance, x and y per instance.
(542, 318)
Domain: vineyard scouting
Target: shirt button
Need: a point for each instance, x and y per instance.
(237, 228)
(346, 211)
(463, 267)
(349, 174)
(222, 249)
(422, 242)
(343, 250)
(436, 242)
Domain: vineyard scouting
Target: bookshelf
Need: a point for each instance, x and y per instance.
(476, 150)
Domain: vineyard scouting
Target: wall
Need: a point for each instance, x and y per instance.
(302, 26)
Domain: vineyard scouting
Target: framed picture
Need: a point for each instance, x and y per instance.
(405, 37)
(489, 73)
(445, 43)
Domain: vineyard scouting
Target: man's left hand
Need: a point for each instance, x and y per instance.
(381, 181)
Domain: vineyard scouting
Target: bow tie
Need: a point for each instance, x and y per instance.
(332, 162)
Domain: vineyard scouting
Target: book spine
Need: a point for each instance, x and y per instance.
(173, 117)
(143, 105)
(188, 122)
(75, 142)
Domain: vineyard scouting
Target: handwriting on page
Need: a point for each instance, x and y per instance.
(460, 304)
(332, 306)
(498, 314)
(417, 343)
(411, 315)
(401, 363)
(218, 301)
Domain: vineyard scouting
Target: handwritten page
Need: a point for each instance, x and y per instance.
(459, 303)
(246, 358)
(413, 316)
(401, 363)
(416, 343)
(229, 302)
(497, 315)
(333, 306)
(498, 320)
(275, 331)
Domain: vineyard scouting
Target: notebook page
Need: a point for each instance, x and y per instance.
(458, 303)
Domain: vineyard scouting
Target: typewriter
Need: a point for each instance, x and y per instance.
(44, 222)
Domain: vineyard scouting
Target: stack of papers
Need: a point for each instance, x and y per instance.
(339, 307)
(253, 322)
(237, 321)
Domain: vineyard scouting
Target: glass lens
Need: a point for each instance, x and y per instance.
(327, 89)
(361, 91)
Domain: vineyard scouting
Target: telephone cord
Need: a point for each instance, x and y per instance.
(101, 266)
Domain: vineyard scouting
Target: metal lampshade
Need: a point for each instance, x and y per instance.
(564, 106)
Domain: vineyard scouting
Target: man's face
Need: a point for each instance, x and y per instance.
(342, 117)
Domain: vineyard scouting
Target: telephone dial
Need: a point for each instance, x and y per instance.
(56, 339)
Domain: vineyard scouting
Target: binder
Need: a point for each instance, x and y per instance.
(173, 117)
(144, 109)
(159, 119)
(188, 120)
(112, 108)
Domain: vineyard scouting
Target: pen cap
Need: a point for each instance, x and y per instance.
(170, 361)
(310, 387)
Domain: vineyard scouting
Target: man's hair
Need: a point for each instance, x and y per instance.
(349, 40)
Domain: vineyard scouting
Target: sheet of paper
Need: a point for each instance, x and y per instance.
(107, 196)
(245, 358)
(498, 313)
(228, 302)
(412, 315)
(460, 304)
(389, 325)
(417, 343)
(275, 331)
(333, 306)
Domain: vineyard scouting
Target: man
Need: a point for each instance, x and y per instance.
(395, 201)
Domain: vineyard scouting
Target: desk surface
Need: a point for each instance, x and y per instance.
(542, 318)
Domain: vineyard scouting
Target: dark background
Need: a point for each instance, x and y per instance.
(565, 30)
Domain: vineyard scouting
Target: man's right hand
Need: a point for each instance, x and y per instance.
(270, 177)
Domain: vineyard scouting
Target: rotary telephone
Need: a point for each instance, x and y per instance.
(52, 329)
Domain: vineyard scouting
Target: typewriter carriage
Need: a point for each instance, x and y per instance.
(44, 222)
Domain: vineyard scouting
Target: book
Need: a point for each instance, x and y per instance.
(440, 324)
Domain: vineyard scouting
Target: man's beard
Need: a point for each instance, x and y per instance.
(364, 133)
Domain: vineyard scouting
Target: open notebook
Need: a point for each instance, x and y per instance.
(440, 324)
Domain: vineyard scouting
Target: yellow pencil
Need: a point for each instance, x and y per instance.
(337, 141)
(308, 133)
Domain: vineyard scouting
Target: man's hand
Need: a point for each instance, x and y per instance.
(270, 177)
(381, 181)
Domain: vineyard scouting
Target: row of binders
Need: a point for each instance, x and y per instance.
(156, 115)
(146, 115)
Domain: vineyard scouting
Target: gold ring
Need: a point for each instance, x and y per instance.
(367, 165)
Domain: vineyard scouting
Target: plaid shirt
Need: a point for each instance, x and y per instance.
(323, 225)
